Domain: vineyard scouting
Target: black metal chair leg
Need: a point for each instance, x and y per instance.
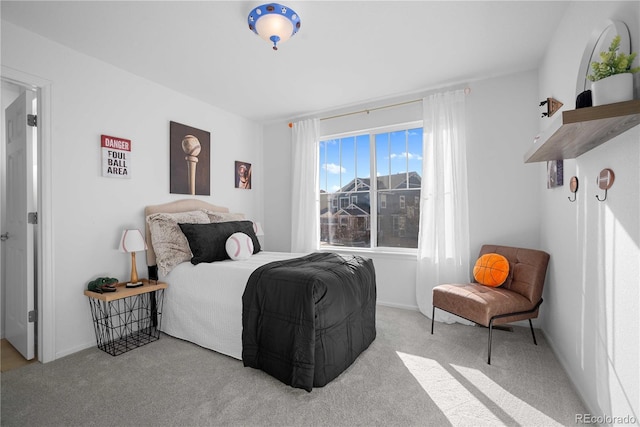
(433, 315)
(533, 333)
(490, 333)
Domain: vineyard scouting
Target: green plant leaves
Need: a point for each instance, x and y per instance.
(612, 62)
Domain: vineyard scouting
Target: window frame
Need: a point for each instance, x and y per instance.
(373, 189)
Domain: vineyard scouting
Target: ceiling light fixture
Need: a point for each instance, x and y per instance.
(274, 23)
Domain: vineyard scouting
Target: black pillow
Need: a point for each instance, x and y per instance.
(207, 241)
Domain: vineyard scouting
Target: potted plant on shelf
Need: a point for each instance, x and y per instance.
(612, 77)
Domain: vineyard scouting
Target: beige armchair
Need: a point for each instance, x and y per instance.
(518, 298)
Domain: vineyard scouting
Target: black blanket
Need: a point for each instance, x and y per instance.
(305, 320)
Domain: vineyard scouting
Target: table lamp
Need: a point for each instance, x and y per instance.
(132, 241)
(257, 228)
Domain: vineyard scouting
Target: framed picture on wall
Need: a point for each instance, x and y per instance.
(555, 173)
(243, 175)
(190, 160)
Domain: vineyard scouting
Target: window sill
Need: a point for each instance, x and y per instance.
(382, 252)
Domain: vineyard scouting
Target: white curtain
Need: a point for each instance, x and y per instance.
(443, 241)
(305, 206)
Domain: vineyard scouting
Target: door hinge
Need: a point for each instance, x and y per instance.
(33, 315)
(32, 217)
(32, 120)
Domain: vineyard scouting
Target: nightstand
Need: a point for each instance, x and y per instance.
(127, 318)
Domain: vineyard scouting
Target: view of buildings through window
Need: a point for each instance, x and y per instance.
(347, 191)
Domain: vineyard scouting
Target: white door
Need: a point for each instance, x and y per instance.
(19, 243)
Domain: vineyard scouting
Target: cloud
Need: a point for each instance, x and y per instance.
(333, 168)
(404, 155)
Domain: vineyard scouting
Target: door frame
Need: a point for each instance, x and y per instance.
(45, 287)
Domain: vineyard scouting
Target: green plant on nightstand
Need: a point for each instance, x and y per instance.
(612, 62)
(612, 77)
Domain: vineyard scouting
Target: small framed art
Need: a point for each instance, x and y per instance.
(116, 157)
(555, 173)
(243, 175)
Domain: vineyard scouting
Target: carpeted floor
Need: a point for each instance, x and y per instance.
(407, 377)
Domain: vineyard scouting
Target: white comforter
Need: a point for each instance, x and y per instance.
(203, 303)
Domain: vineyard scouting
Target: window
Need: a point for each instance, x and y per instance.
(347, 164)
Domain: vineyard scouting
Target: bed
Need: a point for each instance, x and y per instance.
(302, 318)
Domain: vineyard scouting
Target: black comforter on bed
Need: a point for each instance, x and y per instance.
(305, 320)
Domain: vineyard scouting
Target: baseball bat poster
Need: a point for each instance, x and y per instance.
(189, 160)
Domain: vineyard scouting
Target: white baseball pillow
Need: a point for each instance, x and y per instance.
(239, 246)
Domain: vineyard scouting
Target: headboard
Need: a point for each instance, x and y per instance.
(184, 205)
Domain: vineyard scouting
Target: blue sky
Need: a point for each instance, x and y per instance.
(342, 159)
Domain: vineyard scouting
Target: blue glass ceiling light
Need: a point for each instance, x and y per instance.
(274, 22)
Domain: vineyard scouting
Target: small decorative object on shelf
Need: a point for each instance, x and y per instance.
(553, 105)
(584, 100)
(612, 77)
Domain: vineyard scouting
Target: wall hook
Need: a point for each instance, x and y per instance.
(605, 181)
(605, 197)
(573, 187)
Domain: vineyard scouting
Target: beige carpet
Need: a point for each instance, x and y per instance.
(406, 377)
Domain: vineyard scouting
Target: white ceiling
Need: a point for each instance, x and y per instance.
(346, 52)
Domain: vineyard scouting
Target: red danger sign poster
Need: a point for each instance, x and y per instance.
(116, 157)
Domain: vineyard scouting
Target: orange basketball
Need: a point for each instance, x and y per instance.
(491, 270)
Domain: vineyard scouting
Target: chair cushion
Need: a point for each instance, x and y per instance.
(480, 303)
(491, 270)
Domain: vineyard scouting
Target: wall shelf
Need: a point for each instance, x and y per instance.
(581, 130)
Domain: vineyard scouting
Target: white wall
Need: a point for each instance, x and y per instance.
(277, 184)
(90, 98)
(504, 192)
(592, 294)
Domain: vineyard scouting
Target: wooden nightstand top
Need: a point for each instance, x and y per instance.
(123, 292)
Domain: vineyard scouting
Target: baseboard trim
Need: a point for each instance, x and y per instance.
(394, 305)
(592, 409)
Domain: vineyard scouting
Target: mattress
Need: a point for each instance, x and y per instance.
(203, 303)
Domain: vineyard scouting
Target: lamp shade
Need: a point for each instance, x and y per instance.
(257, 228)
(132, 241)
(274, 23)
